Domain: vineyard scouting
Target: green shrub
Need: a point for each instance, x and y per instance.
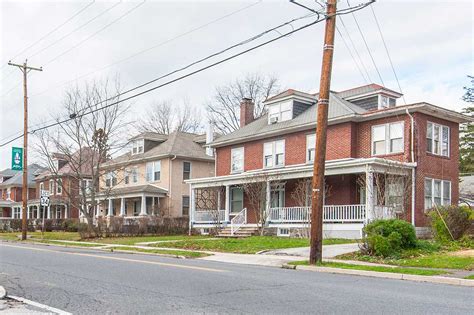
(457, 218)
(70, 225)
(388, 237)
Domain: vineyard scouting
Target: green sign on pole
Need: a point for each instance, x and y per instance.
(17, 159)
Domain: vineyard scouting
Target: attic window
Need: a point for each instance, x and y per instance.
(138, 146)
(386, 102)
(280, 112)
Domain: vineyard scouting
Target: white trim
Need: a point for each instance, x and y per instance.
(273, 144)
(236, 149)
(308, 160)
(387, 138)
(440, 139)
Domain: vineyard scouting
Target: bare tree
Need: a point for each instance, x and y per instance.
(208, 199)
(165, 117)
(224, 110)
(301, 194)
(94, 133)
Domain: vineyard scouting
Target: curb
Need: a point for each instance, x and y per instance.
(49, 309)
(386, 275)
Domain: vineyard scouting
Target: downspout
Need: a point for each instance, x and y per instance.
(170, 174)
(413, 170)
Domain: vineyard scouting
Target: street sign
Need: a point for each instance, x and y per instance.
(44, 193)
(44, 198)
(17, 159)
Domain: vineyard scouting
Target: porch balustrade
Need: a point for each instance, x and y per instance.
(208, 216)
(331, 214)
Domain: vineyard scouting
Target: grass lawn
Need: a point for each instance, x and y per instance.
(186, 254)
(470, 277)
(66, 236)
(249, 245)
(427, 255)
(411, 271)
(132, 240)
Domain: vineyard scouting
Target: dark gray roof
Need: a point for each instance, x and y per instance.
(179, 144)
(8, 172)
(369, 88)
(338, 108)
(17, 179)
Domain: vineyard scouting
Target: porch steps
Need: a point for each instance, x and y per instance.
(242, 232)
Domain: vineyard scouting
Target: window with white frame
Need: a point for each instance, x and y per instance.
(110, 179)
(9, 194)
(237, 160)
(437, 139)
(41, 187)
(283, 232)
(59, 186)
(153, 171)
(280, 112)
(236, 199)
(277, 195)
(126, 177)
(310, 147)
(387, 138)
(274, 153)
(134, 174)
(51, 186)
(86, 184)
(437, 192)
(16, 212)
(138, 146)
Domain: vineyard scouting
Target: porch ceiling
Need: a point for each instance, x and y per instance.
(334, 167)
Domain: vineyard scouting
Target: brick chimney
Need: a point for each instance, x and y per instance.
(246, 111)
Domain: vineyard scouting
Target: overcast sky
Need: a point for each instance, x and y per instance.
(430, 43)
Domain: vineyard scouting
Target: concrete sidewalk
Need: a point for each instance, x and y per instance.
(329, 251)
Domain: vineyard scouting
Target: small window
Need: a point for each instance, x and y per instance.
(280, 112)
(237, 160)
(138, 146)
(283, 232)
(205, 231)
(437, 139)
(59, 187)
(437, 192)
(185, 205)
(387, 138)
(186, 170)
(274, 153)
(310, 147)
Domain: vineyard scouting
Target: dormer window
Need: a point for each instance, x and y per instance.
(386, 102)
(280, 112)
(138, 146)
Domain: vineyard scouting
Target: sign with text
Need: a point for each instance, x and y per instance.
(17, 159)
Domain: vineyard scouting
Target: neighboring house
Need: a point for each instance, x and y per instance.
(149, 179)
(11, 201)
(466, 190)
(369, 140)
(63, 182)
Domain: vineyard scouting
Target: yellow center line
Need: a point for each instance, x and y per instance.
(118, 258)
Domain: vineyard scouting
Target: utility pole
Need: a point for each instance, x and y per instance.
(317, 195)
(25, 69)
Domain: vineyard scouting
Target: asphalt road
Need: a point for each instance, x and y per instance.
(84, 281)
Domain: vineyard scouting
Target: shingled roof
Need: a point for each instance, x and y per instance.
(17, 179)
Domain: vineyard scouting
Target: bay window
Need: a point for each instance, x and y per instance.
(274, 153)
(437, 139)
(437, 192)
(387, 138)
(237, 160)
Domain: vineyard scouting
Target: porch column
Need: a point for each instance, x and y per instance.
(28, 209)
(13, 212)
(227, 203)
(65, 211)
(193, 203)
(48, 215)
(268, 197)
(97, 209)
(111, 207)
(143, 206)
(122, 207)
(369, 202)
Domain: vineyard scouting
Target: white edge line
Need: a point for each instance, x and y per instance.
(42, 306)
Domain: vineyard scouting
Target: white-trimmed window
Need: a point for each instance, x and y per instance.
(437, 139)
(283, 232)
(237, 160)
(134, 175)
(310, 147)
(85, 184)
(41, 187)
(59, 186)
(9, 194)
(16, 212)
(126, 177)
(277, 195)
(236, 199)
(51, 187)
(437, 192)
(110, 179)
(387, 138)
(274, 154)
(153, 171)
(138, 146)
(280, 112)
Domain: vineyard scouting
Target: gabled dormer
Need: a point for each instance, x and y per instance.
(371, 97)
(288, 105)
(146, 141)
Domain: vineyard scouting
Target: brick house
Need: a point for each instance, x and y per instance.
(149, 178)
(11, 200)
(382, 160)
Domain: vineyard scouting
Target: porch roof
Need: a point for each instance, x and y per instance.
(333, 167)
(135, 191)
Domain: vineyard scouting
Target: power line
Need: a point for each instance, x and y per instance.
(352, 56)
(355, 48)
(74, 115)
(97, 32)
(367, 46)
(388, 53)
(150, 48)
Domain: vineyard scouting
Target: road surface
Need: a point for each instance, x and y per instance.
(84, 281)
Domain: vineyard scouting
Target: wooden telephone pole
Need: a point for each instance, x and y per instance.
(24, 191)
(317, 195)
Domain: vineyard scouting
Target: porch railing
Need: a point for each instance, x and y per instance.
(209, 216)
(331, 214)
(237, 221)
